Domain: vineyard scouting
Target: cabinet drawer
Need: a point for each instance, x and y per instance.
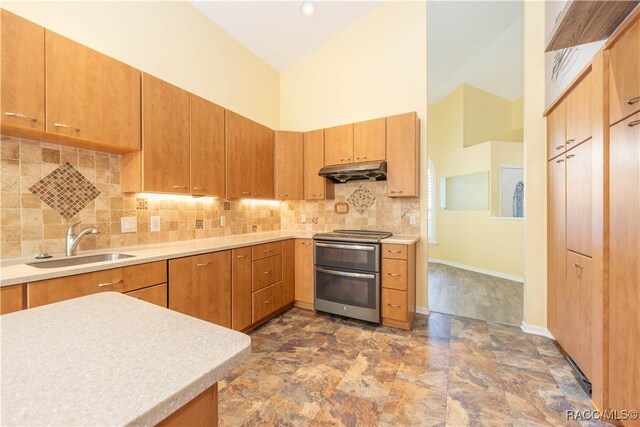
(155, 295)
(266, 272)
(265, 301)
(393, 251)
(266, 250)
(123, 279)
(394, 274)
(11, 299)
(394, 304)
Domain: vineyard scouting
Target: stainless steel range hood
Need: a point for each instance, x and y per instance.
(371, 171)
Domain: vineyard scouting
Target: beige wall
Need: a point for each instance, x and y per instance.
(535, 231)
(473, 238)
(171, 40)
(375, 68)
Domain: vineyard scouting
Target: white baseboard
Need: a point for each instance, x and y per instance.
(512, 277)
(536, 330)
(423, 310)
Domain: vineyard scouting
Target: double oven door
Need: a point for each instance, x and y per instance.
(347, 279)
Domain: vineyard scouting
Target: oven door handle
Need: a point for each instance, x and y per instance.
(346, 274)
(352, 247)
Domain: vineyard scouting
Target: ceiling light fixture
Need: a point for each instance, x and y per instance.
(307, 8)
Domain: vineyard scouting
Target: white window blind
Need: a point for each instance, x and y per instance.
(431, 203)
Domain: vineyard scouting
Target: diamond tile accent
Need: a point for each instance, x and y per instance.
(65, 190)
(361, 199)
(141, 204)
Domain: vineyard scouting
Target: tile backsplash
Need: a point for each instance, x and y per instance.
(29, 227)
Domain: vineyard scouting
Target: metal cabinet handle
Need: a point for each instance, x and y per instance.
(361, 158)
(394, 252)
(283, 195)
(20, 116)
(268, 272)
(184, 187)
(266, 251)
(110, 283)
(246, 192)
(241, 256)
(559, 147)
(306, 243)
(570, 156)
(559, 160)
(394, 274)
(62, 125)
(345, 159)
(199, 189)
(268, 301)
(317, 195)
(256, 194)
(633, 123)
(578, 265)
(633, 100)
(396, 192)
(346, 274)
(394, 305)
(204, 264)
(346, 246)
(569, 141)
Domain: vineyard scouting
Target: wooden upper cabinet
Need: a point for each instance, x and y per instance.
(403, 155)
(624, 74)
(579, 199)
(207, 148)
(288, 165)
(238, 153)
(556, 127)
(369, 140)
(579, 112)
(22, 72)
(165, 118)
(92, 96)
(315, 186)
(338, 145)
(200, 286)
(261, 161)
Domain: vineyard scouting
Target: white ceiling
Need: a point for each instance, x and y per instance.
(477, 43)
(277, 31)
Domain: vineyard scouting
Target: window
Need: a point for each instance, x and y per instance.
(431, 203)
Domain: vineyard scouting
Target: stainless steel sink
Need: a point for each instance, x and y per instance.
(79, 260)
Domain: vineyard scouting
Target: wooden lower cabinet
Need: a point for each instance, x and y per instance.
(304, 274)
(288, 271)
(200, 286)
(266, 301)
(201, 411)
(155, 294)
(265, 272)
(124, 279)
(241, 288)
(398, 296)
(11, 298)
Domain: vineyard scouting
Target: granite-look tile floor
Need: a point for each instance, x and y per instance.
(311, 369)
(479, 296)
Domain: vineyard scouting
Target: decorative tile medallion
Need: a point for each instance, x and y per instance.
(65, 190)
(361, 199)
(141, 204)
(227, 206)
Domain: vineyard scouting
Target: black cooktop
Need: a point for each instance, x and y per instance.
(372, 236)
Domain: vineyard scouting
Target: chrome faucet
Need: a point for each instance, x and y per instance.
(73, 240)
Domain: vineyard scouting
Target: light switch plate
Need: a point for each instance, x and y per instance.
(154, 224)
(128, 224)
(223, 221)
(303, 218)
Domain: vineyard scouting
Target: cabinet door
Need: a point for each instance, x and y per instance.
(624, 266)
(304, 272)
(556, 126)
(207, 148)
(557, 252)
(581, 297)
(579, 199)
(200, 286)
(22, 71)
(624, 72)
(262, 161)
(338, 145)
(92, 96)
(238, 151)
(579, 112)
(315, 186)
(369, 140)
(165, 120)
(241, 288)
(403, 155)
(288, 271)
(11, 299)
(288, 165)
(155, 295)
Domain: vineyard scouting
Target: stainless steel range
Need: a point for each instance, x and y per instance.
(347, 273)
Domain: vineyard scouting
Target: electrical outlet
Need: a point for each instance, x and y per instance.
(128, 224)
(413, 219)
(154, 224)
(303, 218)
(223, 221)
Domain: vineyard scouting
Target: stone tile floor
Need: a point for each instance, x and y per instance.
(314, 369)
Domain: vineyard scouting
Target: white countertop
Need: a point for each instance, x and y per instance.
(108, 359)
(16, 271)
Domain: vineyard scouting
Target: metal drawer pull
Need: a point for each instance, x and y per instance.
(634, 123)
(394, 252)
(559, 147)
(306, 243)
(394, 274)
(266, 251)
(346, 274)
(394, 305)
(246, 192)
(345, 159)
(62, 125)
(268, 301)
(268, 272)
(317, 195)
(256, 194)
(241, 256)
(560, 161)
(353, 247)
(199, 189)
(283, 195)
(21, 116)
(110, 283)
(180, 186)
(361, 158)
(204, 264)
(633, 100)
(396, 192)
(570, 156)
(569, 141)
